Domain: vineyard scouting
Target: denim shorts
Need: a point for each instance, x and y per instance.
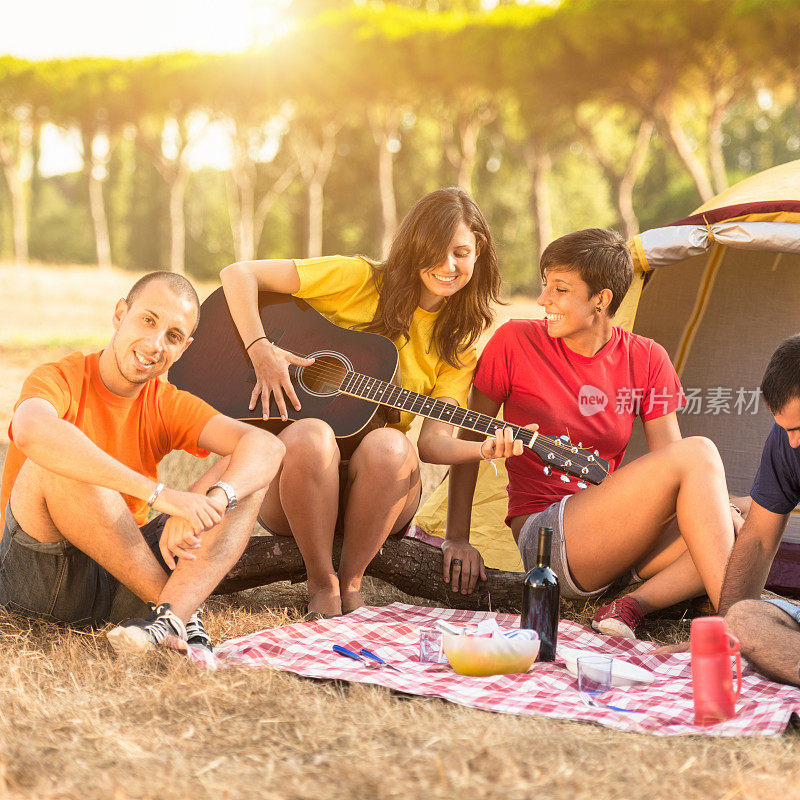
(57, 582)
(528, 543)
(792, 609)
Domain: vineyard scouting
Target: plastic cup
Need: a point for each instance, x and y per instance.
(430, 646)
(594, 674)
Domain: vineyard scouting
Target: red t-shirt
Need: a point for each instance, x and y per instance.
(138, 431)
(594, 399)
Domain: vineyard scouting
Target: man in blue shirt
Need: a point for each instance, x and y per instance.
(769, 631)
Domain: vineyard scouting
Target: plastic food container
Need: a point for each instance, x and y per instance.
(496, 655)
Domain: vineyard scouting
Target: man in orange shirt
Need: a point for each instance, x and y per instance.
(80, 479)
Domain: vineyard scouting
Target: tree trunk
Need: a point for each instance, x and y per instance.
(621, 182)
(680, 142)
(464, 155)
(177, 218)
(537, 159)
(96, 167)
(11, 162)
(716, 156)
(315, 161)
(385, 126)
(409, 564)
(629, 222)
(175, 172)
(269, 199)
(469, 129)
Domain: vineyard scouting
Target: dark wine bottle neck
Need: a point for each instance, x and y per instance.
(545, 542)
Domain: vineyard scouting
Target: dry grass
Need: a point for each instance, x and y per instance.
(77, 722)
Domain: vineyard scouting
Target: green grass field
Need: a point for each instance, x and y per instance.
(78, 722)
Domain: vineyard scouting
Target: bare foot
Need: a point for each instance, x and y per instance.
(324, 599)
(351, 600)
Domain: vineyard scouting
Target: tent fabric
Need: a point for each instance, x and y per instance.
(719, 290)
(780, 183)
(665, 246)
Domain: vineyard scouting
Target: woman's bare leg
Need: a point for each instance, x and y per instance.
(304, 501)
(383, 492)
(614, 526)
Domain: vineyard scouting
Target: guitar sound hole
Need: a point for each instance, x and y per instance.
(324, 376)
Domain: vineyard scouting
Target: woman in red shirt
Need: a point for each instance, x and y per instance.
(664, 518)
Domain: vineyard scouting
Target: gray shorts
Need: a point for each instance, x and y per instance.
(528, 543)
(57, 582)
(792, 609)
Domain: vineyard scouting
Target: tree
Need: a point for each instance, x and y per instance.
(167, 93)
(91, 95)
(247, 98)
(20, 88)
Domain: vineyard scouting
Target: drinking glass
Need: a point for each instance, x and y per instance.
(430, 646)
(594, 674)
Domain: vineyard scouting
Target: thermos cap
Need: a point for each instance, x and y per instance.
(709, 635)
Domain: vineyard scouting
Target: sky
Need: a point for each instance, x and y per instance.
(41, 29)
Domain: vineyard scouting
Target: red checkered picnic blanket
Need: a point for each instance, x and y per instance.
(392, 632)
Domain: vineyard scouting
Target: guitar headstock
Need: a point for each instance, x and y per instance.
(561, 454)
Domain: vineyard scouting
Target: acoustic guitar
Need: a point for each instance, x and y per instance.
(348, 381)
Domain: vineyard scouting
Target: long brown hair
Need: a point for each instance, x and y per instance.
(421, 243)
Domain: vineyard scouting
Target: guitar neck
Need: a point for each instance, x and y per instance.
(387, 394)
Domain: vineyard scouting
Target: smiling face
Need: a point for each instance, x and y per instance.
(453, 272)
(570, 309)
(150, 335)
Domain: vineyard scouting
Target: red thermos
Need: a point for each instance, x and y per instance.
(712, 679)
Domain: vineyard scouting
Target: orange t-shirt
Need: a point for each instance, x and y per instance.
(137, 431)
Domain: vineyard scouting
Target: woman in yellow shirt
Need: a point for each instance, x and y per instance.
(432, 296)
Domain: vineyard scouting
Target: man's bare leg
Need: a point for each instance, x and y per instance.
(193, 581)
(97, 521)
(304, 501)
(383, 493)
(770, 639)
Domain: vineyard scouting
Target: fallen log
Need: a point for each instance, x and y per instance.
(411, 565)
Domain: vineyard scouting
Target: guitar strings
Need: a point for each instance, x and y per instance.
(334, 374)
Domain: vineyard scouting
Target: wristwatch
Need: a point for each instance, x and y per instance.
(229, 493)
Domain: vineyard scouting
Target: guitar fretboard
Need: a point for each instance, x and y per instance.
(377, 391)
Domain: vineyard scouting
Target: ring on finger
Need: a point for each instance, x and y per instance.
(456, 562)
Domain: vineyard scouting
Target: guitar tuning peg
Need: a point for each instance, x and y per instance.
(597, 452)
(581, 485)
(547, 471)
(565, 478)
(564, 438)
(580, 445)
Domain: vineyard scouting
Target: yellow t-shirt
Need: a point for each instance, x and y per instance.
(342, 289)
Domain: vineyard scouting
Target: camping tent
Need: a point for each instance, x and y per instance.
(719, 289)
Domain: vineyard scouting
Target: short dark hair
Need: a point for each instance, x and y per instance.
(601, 257)
(176, 283)
(781, 382)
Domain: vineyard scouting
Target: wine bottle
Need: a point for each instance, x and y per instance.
(541, 599)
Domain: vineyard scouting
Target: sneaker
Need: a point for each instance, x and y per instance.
(619, 618)
(138, 635)
(196, 633)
